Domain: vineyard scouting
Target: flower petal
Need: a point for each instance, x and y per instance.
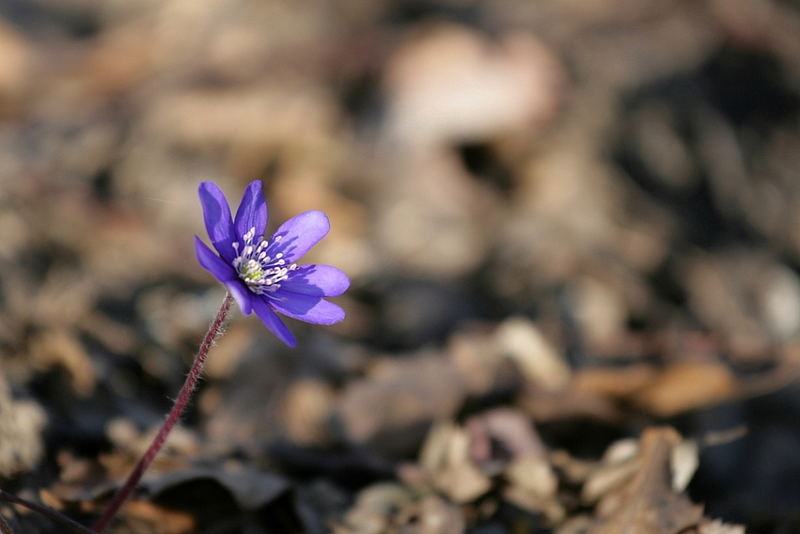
(252, 212)
(299, 234)
(308, 308)
(225, 274)
(273, 322)
(318, 280)
(213, 263)
(244, 297)
(217, 216)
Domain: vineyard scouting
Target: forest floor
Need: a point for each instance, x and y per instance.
(572, 230)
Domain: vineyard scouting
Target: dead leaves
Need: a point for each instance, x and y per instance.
(5, 528)
(21, 424)
(61, 348)
(392, 509)
(678, 387)
(647, 503)
(392, 407)
(523, 343)
(175, 499)
(638, 487)
(487, 162)
(446, 461)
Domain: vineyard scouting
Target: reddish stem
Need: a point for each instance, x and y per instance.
(174, 415)
(53, 514)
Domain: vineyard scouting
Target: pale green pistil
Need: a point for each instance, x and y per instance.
(250, 271)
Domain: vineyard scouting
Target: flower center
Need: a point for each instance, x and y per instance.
(261, 273)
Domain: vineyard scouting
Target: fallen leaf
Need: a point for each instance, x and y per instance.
(61, 347)
(509, 428)
(522, 342)
(683, 386)
(445, 457)
(533, 486)
(648, 502)
(478, 87)
(5, 528)
(374, 508)
(615, 382)
(684, 461)
(21, 425)
(433, 515)
(392, 408)
(305, 409)
(251, 489)
(158, 519)
(718, 527)
(568, 403)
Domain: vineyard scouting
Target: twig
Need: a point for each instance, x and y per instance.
(46, 511)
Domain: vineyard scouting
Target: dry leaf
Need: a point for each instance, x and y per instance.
(5, 528)
(432, 515)
(648, 503)
(718, 527)
(390, 508)
(509, 428)
(684, 386)
(374, 508)
(533, 486)
(478, 87)
(568, 403)
(616, 382)
(62, 347)
(684, 460)
(445, 456)
(21, 425)
(398, 400)
(306, 406)
(522, 342)
(161, 520)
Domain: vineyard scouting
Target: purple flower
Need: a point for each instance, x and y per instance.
(262, 274)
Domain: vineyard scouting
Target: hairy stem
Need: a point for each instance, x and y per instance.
(174, 415)
(46, 511)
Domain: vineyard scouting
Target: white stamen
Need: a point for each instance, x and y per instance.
(260, 272)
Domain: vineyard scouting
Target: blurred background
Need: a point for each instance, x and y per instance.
(568, 224)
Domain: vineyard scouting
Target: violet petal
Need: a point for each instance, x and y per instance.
(244, 298)
(217, 216)
(318, 280)
(225, 274)
(213, 263)
(308, 308)
(299, 234)
(252, 212)
(273, 322)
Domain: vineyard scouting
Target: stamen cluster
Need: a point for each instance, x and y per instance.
(261, 272)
